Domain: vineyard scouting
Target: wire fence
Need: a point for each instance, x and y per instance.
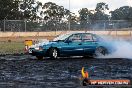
(14, 32)
(97, 25)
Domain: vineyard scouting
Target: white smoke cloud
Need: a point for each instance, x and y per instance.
(123, 49)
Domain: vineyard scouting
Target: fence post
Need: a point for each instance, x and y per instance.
(69, 17)
(4, 25)
(25, 26)
(104, 26)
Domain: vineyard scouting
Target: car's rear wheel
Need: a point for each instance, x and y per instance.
(39, 57)
(101, 51)
(53, 53)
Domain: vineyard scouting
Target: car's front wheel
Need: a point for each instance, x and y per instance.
(53, 53)
(101, 51)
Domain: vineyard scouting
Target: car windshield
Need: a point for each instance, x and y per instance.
(62, 37)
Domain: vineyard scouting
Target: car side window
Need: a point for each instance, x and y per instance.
(97, 38)
(87, 37)
(75, 38)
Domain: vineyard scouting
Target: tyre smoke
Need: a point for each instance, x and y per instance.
(122, 48)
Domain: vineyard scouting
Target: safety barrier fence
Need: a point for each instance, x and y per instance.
(56, 33)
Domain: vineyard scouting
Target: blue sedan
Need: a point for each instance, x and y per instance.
(75, 44)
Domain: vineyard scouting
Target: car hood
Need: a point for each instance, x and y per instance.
(41, 43)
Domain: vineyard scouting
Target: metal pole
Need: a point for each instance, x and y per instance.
(104, 26)
(19, 27)
(4, 25)
(69, 16)
(25, 25)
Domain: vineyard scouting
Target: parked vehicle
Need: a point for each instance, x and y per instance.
(74, 44)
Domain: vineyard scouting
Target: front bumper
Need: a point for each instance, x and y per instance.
(37, 52)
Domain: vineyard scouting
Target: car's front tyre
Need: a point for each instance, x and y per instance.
(53, 53)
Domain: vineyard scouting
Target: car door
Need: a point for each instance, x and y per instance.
(88, 43)
(73, 45)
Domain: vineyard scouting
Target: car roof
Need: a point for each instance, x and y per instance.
(83, 33)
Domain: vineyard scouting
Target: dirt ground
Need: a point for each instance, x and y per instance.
(27, 72)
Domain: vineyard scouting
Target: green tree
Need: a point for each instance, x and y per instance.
(123, 13)
(29, 9)
(100, 16)
(100, 13)
(85, 16)
(9, 9)
(55, 15)
(53, 11)
(101, 7)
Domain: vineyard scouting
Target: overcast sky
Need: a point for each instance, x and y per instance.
(76, 5)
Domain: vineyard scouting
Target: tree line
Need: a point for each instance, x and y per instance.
(52, 14)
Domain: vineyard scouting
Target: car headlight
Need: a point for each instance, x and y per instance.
(30, 51)
(40, 48)
(36, 48)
